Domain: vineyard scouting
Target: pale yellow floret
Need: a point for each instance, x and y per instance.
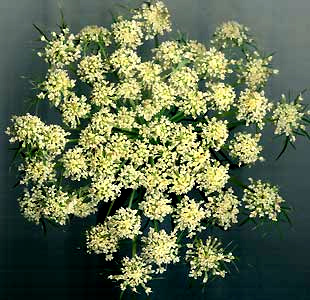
(223, 208)
(189, 214)
(207, 259)
(135, 273)
(127, 33)
(262, 200)
(160, 248)
(245, 148)
(252, 107)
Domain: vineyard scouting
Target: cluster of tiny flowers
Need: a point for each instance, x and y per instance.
(73, 109)
(30, 131)
(253, 107)
(256, 71)
(75, 164)
(215, 133)
(37, 171)
(61, 49)
(127, 33)
(160, 248)
(91, 68)
(220, 96)
(245, 148)
(94, 33)
(216, 64)
(288, 118)
(58, 86)
(164, 127)
(135, 273)
(262, 200)
(231, 32)
(155, 19)
(207, 259)
(45, 202)
(104, 238)
(188, 215)
(224, 208)
(156, 206)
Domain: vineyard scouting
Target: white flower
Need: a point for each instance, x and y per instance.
(215, 133)
(207, 259)
(223, 208)
(135, 272)
(155, 19)
(262, 200)
(231, 32)
(94, 33)
(61, 49)
(127, 33)
(288, 118)
(252, 107)
(245, 147)
(160, 248)
(189, 214)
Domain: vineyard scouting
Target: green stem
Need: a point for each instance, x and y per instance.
(156, 225)
(73, 140)
(156, 40)
(134, 247)
(180, 236)
(239, 183)
(131, 197)
(110, 208)
(177, 117)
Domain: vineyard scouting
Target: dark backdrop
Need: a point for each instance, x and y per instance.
(54, 267)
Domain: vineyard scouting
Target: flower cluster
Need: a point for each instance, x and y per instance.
(262, 200)
(104, 238)
(169, 129)
(290, 118)
(207, 259)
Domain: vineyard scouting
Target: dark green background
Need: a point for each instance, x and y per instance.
(54, 267)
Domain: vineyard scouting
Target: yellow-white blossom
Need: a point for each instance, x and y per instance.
(253, 107)
(160, 248)
(231, 32)
(168, 54)
(92, 69)
(256, 71)
(156, 205)
(155, 19)
(94, 33)
(103, 93)
(245, 148)
(37, 171)
(100, 240)
(223, 208)
(75, 164)
(262, 200)
(220, 96)
(207, 259)
(213, 178)
(127, 33)
(288, 118)
(135, 273)
(125, 62)
(214, 65)
(215, 133)
(58, 86)
(189, 214)
(73, 109)
(61, 49)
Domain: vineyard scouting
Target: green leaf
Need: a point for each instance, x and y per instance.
(284, 147)
(40, 31)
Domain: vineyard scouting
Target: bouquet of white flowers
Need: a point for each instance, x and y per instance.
(155, 141)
